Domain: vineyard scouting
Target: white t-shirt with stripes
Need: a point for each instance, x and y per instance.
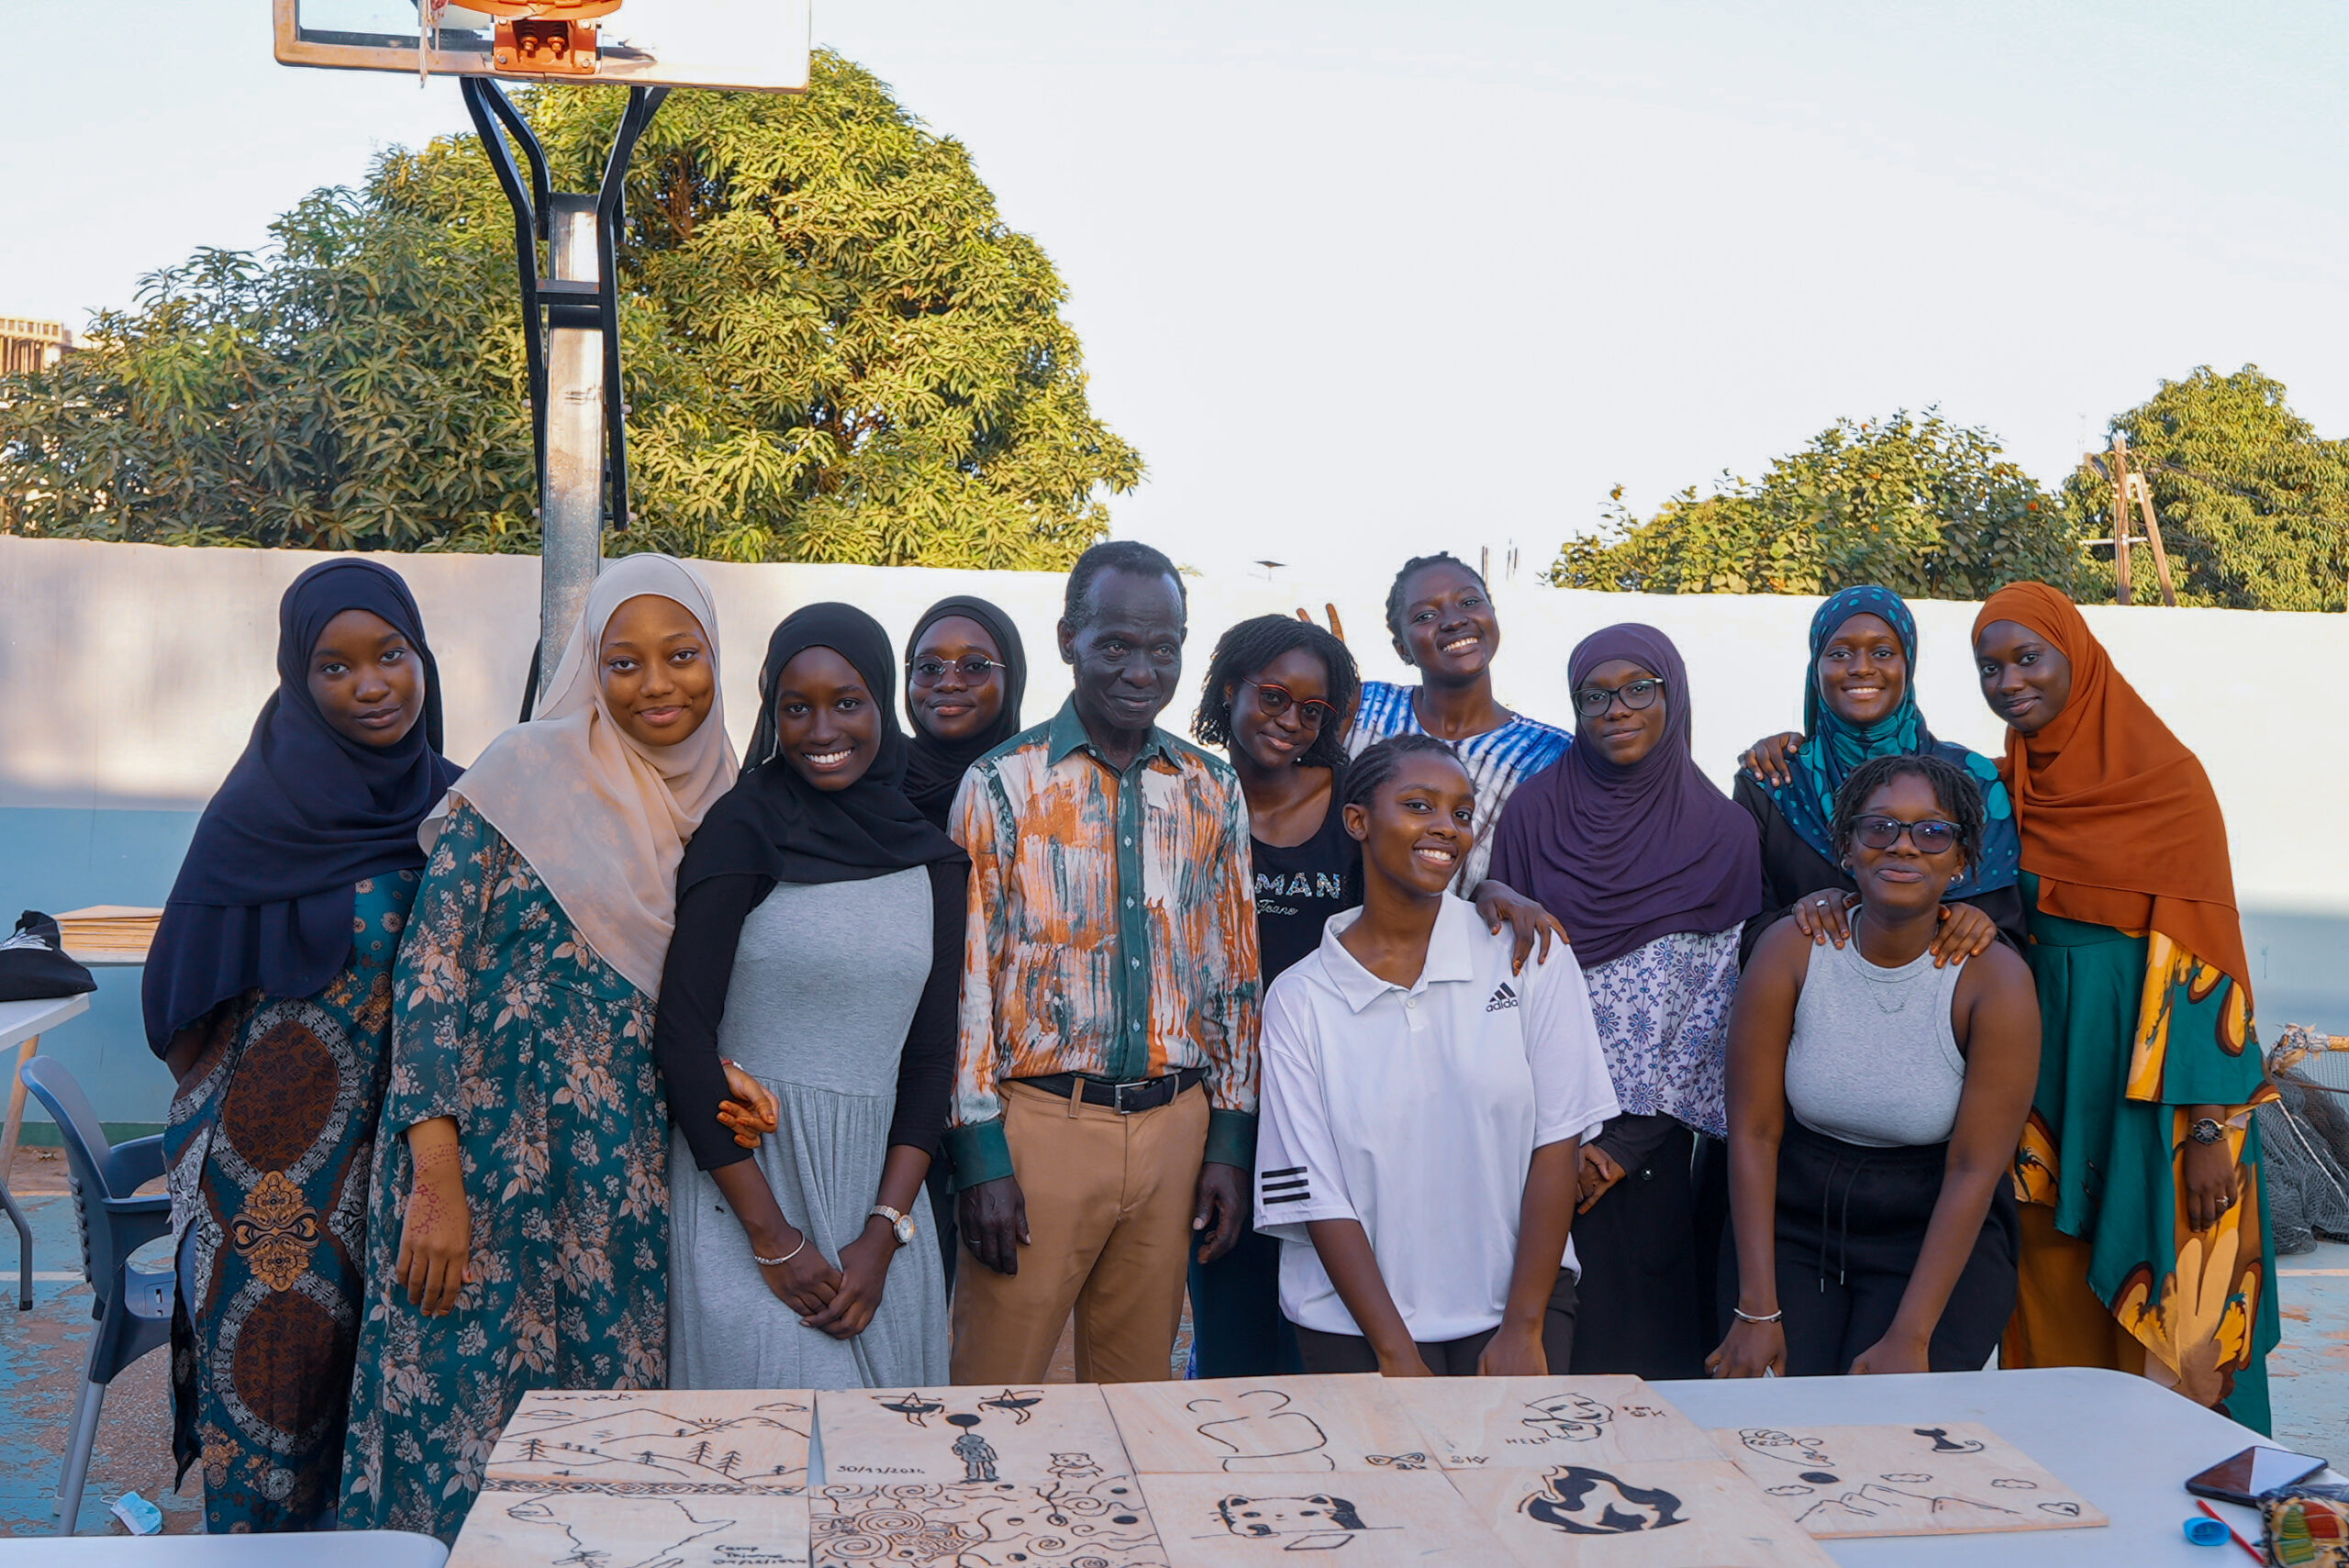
(1416, 1110)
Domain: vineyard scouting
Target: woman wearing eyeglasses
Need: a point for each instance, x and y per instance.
(1653, 872)
(1860, 701)
(965, 673)
(1874, 1100)
(1278, 696)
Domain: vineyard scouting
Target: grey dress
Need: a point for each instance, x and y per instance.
(825, 985)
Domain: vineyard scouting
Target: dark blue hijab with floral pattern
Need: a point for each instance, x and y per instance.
(1832, 747)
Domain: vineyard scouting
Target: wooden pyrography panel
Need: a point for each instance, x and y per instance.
(1959, 1479)
(562, 1524)
(1379, 1519)
(1507, 1423)
(1656, 1514)
(1101, 1522)
(681, 1439)
(1033, 1436)
(1266, 1425)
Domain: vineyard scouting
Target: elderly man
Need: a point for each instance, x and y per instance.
(1105, 1094)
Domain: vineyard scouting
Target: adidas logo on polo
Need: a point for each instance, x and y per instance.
(1504, 997)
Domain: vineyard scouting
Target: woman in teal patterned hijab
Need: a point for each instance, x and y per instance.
(1833, 745)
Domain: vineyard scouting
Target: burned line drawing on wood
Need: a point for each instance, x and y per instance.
(1381, 1519)
(1320, 1522)
(1090, 1524)
(683, 1438)
(1579, 1500)
(1514, 1422)
(601, 1524)
(968, 1436)
(1296, 1425)
(1904, 1479)
(1650, 1514)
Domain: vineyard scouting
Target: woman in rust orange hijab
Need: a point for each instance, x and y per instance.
(2145, 1235)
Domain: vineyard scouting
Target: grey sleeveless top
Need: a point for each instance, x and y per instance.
(1873, 1060)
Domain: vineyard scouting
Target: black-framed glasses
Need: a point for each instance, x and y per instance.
(1591, 701)
(1931, 836)
(973, 667)
(1313, 713)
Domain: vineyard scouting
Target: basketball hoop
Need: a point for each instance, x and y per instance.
(564, 244)
(552, 37)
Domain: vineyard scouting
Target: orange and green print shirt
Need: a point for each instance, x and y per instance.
(1112, 931)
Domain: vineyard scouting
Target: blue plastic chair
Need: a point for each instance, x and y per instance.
(133, 1306)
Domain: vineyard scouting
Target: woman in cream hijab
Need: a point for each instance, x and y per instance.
(518, 1218)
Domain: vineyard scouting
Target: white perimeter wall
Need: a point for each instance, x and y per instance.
(129, 674)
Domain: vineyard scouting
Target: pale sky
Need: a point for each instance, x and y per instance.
(1363, 279)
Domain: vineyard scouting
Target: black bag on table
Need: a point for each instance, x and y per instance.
(33, 966)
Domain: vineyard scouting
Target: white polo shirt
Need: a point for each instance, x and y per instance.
(1417, 1112)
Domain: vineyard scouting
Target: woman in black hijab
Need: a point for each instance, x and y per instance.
(815, 976)
(268, 994)
(965, 673)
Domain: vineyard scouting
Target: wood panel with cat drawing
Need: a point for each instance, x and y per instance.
(1381, 1519)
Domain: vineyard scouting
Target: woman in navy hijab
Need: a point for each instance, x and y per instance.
(269, 996)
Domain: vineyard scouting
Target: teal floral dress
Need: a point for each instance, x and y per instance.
(505, 1019)
(268, 1147)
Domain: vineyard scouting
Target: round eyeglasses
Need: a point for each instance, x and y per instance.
(1592, 702)
(1312, 712)
(973, 666)
(1931, 836)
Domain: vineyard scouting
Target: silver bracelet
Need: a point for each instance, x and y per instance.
(778, 1262)
(1744, 1317)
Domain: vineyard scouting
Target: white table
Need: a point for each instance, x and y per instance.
(2124, 1444)
(345, 1549)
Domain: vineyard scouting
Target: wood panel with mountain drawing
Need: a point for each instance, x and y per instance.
(1955, 1479)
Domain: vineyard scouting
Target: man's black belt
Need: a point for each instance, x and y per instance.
(1133, 1095)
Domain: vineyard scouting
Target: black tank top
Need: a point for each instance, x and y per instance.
(1299, 888)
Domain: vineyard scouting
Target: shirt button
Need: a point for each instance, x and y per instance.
(1134, 962)
(1129, 840)
(1129, 903)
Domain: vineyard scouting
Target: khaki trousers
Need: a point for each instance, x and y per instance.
(1110, 1204)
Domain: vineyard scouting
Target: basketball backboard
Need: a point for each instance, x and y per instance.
(756, 46)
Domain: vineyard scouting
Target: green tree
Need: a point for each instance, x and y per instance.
(836, 350)
(1913, 502)
(2254, 504)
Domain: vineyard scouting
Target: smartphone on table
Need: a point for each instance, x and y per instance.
(2252, 1474)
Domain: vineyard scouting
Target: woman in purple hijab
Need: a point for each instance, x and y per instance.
(1653, 870)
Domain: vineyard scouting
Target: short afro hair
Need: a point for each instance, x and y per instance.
(1411, 569)
(1246, 649)
(1371, 771)
(1130, 556)
(1953, 788)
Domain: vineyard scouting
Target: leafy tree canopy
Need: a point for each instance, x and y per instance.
(2254, 504)
(1913, 502)
(835, 350)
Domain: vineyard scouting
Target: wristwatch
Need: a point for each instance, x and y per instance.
(902, 1224)
(2205, 1131)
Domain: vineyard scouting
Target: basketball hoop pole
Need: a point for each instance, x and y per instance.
(571, 344)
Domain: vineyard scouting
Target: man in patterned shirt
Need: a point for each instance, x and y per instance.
(1105, 1095)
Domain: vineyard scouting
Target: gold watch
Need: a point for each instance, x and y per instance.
(901, 1224)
